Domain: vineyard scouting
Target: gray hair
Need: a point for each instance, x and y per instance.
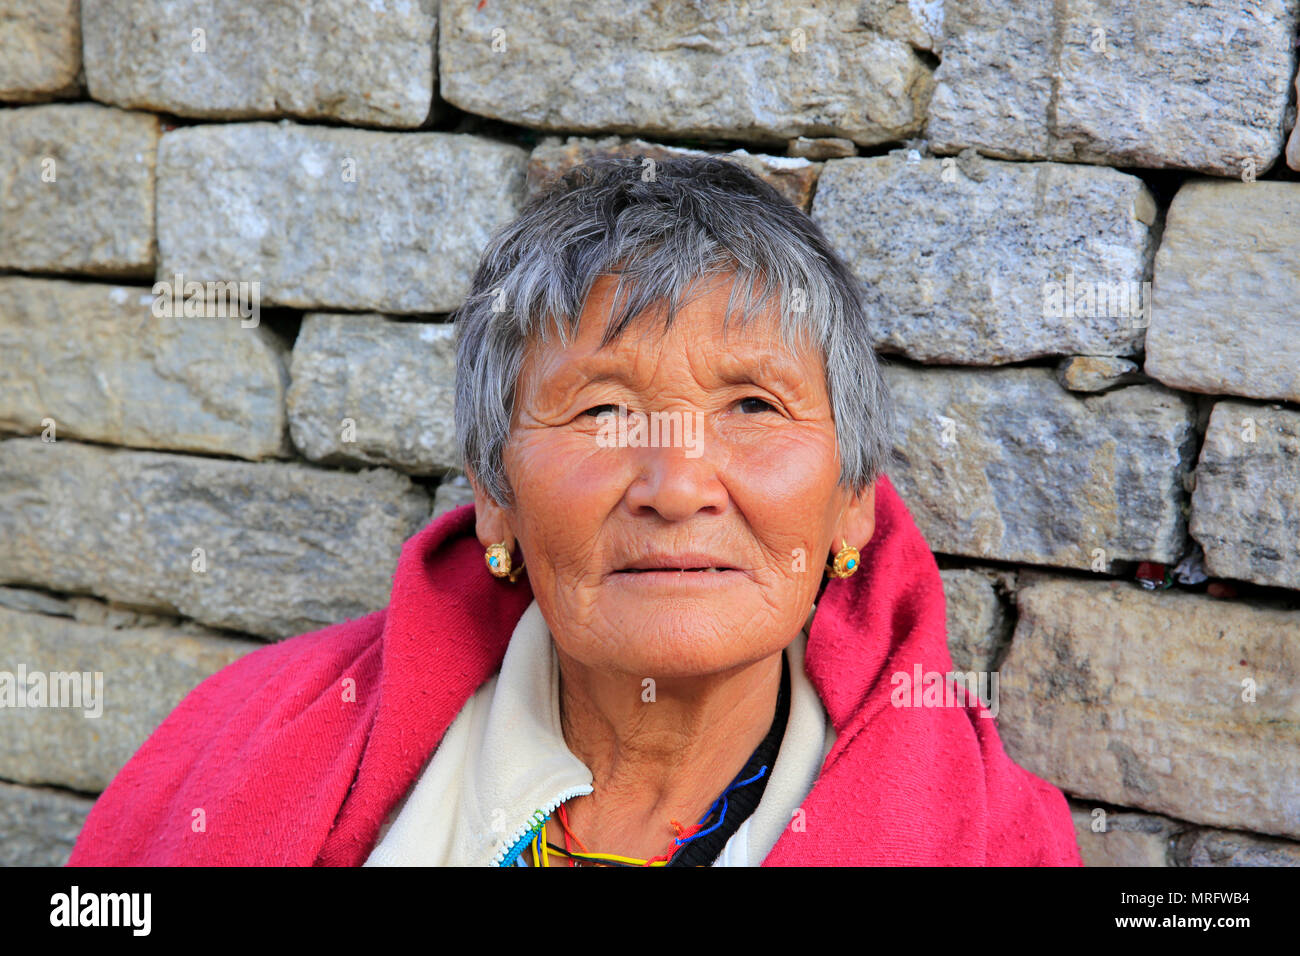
(659, 226)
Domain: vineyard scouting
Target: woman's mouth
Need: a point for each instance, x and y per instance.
(670, 570)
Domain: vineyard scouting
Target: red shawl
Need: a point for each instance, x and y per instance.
(274, 760)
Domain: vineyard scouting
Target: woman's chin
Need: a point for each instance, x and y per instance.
(676, 640)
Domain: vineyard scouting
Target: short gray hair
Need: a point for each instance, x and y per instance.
(659, 227)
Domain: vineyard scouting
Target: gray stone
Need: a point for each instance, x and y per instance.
(1228, 848)
(1096, 373)
(97, 361)
(372, 390)
(1227, 282)
(764, 72)
(105, 691)
(1246, 506)
(793, 177)
(40, 49)
(285, 548)
(77, 189)
(39, 826)
(37, 602)
(370, 64)
(1293, 144)
(978, 628)
(825, 147)
(1171, 702)
(919, 22)
(89, 610)
(1190, 84)
(1008, 465)
(1111, 838)
(1030, 260)
(452, 492)
(334, 218)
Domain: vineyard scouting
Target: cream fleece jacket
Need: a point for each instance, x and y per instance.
(503, 765)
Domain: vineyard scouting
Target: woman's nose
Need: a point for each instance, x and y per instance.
(679, 479)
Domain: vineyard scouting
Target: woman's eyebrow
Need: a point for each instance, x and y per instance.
(763, 366)
(582, 373)
(731, 369)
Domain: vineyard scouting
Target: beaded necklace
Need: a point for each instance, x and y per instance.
(542, 848)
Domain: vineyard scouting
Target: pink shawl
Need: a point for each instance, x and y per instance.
(295, 754)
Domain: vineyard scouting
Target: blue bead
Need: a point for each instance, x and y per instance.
(851, 563)
(493, 560)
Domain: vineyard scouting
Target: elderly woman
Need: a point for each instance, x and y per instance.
(671, 628)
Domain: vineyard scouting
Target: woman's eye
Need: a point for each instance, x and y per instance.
(764, 405)
(599, 409)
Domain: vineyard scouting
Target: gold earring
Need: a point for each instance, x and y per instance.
(847, 561)
(498, 562)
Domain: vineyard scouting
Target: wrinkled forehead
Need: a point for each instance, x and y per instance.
(702, 334)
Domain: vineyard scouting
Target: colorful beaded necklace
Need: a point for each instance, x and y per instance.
(541, 848)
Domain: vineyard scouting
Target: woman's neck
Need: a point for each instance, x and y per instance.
(658, 752)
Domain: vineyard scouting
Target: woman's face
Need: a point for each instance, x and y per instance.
(735, 466)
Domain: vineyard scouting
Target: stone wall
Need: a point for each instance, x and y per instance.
(1078, 224)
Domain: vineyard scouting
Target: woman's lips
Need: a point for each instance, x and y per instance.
(676, 559)
(677, 566)
(666, 570)
(678, 577)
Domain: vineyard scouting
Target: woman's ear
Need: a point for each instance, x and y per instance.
(859, 522)
(491, 522)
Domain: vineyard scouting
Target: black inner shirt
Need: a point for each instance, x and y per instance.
(742, 801)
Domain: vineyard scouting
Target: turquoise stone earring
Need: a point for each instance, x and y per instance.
(847, 561)
(498, 562)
